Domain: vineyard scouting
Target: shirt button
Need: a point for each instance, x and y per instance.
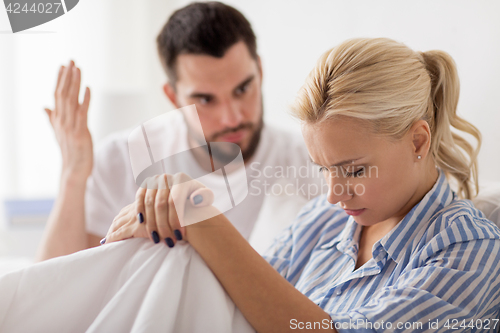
(339, 292)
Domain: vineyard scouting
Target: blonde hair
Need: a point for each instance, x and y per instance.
(391, 87)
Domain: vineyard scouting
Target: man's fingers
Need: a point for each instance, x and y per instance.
(59, 76)
(81, 120)
(62, 92)
(59, 93)
(86, 101)
(77, 80)
(66, 79)
(59, 79)
(72, 99)
(63, 95)
(49, 114)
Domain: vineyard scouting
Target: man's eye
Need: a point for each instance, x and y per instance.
(205, 100)
(242, 90)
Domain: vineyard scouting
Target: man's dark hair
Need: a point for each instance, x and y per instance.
(209, 28)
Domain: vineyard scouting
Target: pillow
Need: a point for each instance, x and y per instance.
(488, 201)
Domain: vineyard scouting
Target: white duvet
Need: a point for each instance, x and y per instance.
(128, 286)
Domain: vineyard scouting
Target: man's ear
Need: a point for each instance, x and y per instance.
(421, 138)
(259, 64)
(169, 91)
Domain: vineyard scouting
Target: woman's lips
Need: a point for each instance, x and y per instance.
(354, 212)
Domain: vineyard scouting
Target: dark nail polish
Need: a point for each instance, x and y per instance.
(140, 217)
(156, 238)
(103, 240)
(169, 242)
(197, 199)
(178, 234)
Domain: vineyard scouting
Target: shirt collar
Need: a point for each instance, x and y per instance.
(416, 221)
(348, 235)
(406, 231)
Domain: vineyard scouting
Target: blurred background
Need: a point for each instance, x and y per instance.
(113, 42)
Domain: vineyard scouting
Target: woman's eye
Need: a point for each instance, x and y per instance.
(356, 173)
(322, 169)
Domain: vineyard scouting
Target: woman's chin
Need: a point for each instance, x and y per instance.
(365, 220)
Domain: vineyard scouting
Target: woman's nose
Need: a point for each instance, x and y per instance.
(338, 190)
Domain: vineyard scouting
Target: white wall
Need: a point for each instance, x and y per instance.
(293, 34)
(113, 41)
(114, 44)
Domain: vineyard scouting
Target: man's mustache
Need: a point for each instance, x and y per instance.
(242, 126)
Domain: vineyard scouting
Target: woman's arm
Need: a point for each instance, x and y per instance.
(265, 298)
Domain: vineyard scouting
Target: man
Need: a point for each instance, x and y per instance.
(209, 53)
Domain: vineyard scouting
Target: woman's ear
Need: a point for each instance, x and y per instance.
(421, 138)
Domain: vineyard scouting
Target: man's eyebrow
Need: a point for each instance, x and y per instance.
(201, 95)
(210, 96)
(351, 160)
(245, 82)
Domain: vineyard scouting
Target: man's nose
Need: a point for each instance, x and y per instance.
(231, 114)
(338, 189)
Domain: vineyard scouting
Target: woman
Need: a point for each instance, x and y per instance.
(400, 251)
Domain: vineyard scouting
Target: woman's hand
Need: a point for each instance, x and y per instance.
(164, 206)
(69, 121)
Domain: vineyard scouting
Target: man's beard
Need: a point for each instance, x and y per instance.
(227, 153)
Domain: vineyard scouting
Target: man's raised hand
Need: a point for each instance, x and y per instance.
(69, 121)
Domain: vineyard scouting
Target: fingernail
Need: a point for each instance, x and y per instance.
(156, 238)
(169, 242)
(140, 217)
(103, 241)
(197, 199)
(178, 234)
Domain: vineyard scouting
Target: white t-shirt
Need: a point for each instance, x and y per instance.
(280, 166)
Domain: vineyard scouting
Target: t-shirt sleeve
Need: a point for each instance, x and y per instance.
(110, 187)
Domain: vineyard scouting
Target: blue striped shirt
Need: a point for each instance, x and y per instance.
(437, 270)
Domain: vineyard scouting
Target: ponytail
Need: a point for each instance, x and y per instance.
(392, 86)
(451, 152)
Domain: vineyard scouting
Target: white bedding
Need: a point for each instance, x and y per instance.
(128, 286)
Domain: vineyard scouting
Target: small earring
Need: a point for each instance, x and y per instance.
(419, 157)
